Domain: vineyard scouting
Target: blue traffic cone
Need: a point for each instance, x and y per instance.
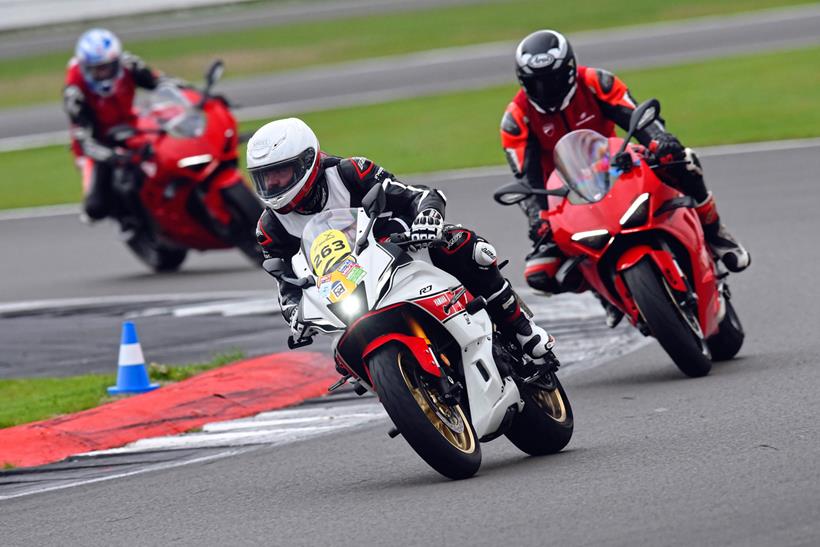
(132, 376)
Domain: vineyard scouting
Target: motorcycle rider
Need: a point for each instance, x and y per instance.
(100, 83)
(296, 181)
(557, 97)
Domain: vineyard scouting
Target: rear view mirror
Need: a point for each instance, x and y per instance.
(512, 193)
(375, 201)
(214, 73)
(642, 117)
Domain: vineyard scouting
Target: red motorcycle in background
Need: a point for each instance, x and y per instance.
(177, 180)
(639, 244)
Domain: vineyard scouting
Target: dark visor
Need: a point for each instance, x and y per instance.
(546, 92)
(277, 178)
(105, 71)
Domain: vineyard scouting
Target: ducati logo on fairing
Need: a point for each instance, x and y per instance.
(549, 129)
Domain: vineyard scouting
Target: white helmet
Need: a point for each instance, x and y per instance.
(283, 161)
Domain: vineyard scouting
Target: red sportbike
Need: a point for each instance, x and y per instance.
(177, 182)
(639, 244)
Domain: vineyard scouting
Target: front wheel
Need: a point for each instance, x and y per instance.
(155, 255)
(245, 211)
(545, 425)
(439, 432)
(729, 338)
(680, 339)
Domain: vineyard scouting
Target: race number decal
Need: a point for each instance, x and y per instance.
(328, 249)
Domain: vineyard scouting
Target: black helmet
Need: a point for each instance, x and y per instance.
(545, 65)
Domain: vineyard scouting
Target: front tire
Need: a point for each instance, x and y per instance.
(440, 433)
(156, 256)
(545, 425)
(665, 319)
(729, 339)
(245, 211)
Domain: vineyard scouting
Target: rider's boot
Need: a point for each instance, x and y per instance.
(504, 309)
(613, 314)
(722, 244)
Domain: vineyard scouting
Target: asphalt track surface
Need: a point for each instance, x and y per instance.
(386, 79)
(730, 459)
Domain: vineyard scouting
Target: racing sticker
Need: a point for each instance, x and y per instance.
(326, 250)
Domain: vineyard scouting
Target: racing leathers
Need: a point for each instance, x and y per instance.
(601, 101)
(91, 116)
(343, 183)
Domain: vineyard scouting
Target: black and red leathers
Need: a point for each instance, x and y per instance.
(600, 102)
(92, 115)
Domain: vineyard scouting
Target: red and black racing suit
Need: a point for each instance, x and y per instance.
(466, 256)
(91, 116)
(529, 136)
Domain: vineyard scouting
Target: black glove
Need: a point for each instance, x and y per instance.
(667, 148)
(539, 226)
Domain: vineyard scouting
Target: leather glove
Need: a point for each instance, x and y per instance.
(428, 225)
(667, 148)
(539, 227)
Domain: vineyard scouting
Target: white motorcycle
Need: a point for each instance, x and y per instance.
(410, 333)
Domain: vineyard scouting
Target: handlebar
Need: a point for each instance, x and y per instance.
(402, 239)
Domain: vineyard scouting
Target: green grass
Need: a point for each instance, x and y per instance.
(29, 80)
(30, 399)
(739, 99)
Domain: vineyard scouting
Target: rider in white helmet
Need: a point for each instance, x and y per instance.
(296, 180)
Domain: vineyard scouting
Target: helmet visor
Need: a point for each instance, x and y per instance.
(104, 71)
(546, 91)
(277, 178)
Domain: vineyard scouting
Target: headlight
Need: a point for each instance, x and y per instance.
(594, 239)
(638, 212)
(351, 305)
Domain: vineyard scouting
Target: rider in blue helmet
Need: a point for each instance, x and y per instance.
(100, 84)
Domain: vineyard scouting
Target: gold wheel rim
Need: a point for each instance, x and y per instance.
(460, 435)
(551, 401)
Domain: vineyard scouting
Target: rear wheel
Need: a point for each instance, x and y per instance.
(439, 432)
(729, 338)
(545, 425)
(245, 211)
(678, 334)
(155, 255)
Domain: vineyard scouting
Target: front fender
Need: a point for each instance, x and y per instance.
(664, 261)
(417, 346)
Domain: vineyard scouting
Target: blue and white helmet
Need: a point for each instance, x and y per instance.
(98, 53)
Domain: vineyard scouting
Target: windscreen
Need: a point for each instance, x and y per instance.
(582, 159)
(175, 113)
(328, 241)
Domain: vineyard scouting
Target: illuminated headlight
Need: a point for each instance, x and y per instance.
(638, 212)
(351, 305)
(594, 239)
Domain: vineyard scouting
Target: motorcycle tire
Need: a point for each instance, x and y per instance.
(727, 342)
(155, 255)
(545, 425)
(440, 433)
(665, 319)
(245, 212)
